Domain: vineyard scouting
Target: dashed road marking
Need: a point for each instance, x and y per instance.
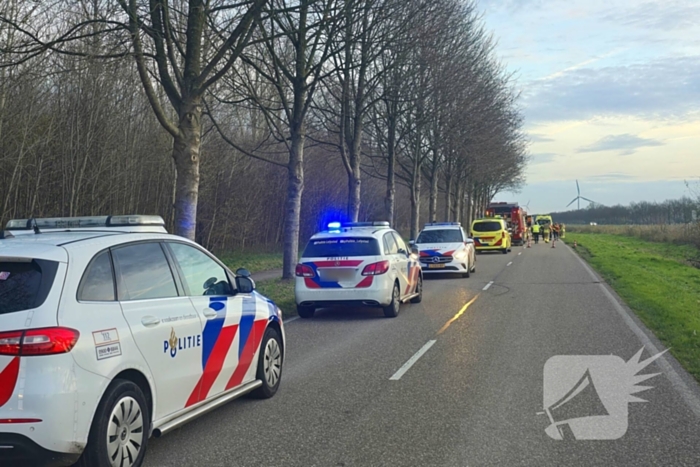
(486, 287)
(509, 263)
(411, 361)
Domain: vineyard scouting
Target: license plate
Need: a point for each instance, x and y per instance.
(436, 266)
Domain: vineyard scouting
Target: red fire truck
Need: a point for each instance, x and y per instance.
(514, 215)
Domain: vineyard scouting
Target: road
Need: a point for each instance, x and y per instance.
(472, 398)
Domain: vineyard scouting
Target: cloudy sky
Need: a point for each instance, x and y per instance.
(610, 93)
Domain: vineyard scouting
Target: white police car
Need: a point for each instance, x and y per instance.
(357, 264)
(111, 331)
(446, 248)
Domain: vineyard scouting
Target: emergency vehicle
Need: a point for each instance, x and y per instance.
(357, 264)
(112, 330)
(491, 233)
(446, 248)
(515, 217)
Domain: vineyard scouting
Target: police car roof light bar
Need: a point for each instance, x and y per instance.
(366, 224)
(84, 222)
(443, 223)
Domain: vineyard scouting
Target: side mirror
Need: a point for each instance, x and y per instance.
(243, 272)
(245, 284)
(209, 283)
(411, 242)
(469, 240)
(415, 250)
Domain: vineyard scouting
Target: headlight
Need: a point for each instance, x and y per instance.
(460, 255)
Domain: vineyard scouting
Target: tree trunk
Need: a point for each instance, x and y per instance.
(448, 196)
(354, 192)
(415, 199)
(186, 149)
(295, 188)
(434, 175)
(389, 199)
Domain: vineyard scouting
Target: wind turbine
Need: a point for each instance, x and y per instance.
(579, 198)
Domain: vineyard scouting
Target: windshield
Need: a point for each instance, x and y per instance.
(440, 236)
(490, 226)
(340, 247)
(24, 284)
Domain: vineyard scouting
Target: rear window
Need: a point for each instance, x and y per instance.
(335, 247)
(440, 236)
(25, 285)
(486, 226)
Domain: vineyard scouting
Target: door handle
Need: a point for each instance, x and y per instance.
(209, 313)
(150, 321)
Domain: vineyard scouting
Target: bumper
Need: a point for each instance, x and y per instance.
(489, 248)
(378, 294)
(18, 450)
(450, 268)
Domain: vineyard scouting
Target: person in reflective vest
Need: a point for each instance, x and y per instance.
(536, 231)
(547, 228)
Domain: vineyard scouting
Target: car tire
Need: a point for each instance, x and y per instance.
(392, 309)
(467, 273)
(270, 360)
(130, 438)
(419, 297)
(305, 311)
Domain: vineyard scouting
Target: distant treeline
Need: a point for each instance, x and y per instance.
(679, 211)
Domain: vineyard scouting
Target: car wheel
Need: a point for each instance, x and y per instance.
(306, 311)
(269, 365)
(120, 428)
(467, 273)
(419, 289)
(392, 310)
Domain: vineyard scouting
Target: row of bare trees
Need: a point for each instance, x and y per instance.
(255, 122)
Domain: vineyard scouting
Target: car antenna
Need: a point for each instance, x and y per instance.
(35, 226)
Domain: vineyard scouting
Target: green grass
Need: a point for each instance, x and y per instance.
(660, 283)
(281, 292)
(253, 262)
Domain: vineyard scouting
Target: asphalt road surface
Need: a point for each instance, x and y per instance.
(475, 392)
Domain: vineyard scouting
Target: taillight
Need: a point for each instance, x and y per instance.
(375, 269)
(304, 270)
(43, 341)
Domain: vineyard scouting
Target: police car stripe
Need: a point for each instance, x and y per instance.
(247, 354)
(213, 327)
(214, 365)
(247, 318)
(8, 380)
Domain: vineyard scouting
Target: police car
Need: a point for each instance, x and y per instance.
(111, 331)
(357, 264)
(446, 248)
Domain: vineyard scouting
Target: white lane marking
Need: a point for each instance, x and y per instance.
(689, 396)
(509, 263)
(407, 366)
(520, 253)
(290, 320)
(486, 287)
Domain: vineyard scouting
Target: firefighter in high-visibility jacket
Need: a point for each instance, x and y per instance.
(547, 231)
(536, 231)
(562, 234)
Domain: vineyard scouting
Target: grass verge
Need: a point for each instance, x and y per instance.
(657, 281)
(253, 262)
(281, 292)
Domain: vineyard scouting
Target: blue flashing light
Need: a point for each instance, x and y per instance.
(334, 226)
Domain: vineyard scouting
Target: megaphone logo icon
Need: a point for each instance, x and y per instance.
(587, 396)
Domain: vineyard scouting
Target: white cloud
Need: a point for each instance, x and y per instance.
(626, 144)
